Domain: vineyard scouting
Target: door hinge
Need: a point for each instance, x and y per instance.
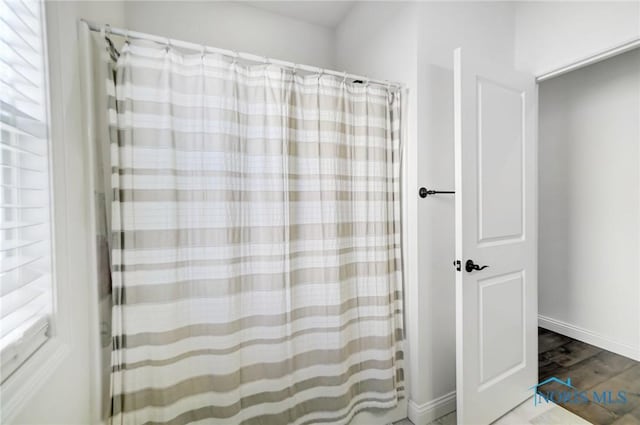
(458, 265)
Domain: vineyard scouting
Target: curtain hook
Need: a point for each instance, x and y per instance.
(344, 77)
(108, 29)
(126, 36)
(168, 44)
(202, 51)
(103, 35)
(235, 57)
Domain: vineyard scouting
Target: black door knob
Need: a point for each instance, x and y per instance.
(469, 266)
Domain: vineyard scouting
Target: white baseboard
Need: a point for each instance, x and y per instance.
(422, 414)
(589, 337)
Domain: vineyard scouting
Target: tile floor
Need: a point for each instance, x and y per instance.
(590, 368)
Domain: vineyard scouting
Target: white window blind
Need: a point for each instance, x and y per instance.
(25, 224)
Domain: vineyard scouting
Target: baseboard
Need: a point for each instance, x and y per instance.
(589, 337)
(422, 414)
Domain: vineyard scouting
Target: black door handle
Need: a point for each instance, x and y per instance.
(469, 266)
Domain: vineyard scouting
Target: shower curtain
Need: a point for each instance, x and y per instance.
(256, 252)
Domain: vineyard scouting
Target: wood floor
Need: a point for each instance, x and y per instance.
(590, 369)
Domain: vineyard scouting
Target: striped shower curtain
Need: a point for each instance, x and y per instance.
(256, 258)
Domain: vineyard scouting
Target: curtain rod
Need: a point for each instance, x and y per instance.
(241, 55)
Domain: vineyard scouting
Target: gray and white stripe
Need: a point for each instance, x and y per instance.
(256, 259)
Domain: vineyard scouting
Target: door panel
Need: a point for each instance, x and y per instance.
(501, 326)
(499, 161)
(496, 307)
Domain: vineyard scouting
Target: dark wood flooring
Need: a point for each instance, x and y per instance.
(590, 369)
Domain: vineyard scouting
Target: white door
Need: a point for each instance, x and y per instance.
(496, 226)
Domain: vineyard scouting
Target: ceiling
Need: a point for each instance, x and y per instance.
(325, 13)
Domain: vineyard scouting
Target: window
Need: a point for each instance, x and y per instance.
(25, 221)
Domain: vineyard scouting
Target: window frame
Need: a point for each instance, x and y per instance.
(37, 369)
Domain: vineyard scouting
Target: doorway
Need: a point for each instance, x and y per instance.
(589, 237)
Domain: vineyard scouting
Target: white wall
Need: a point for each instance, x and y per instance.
(589, 248)
(553, 34)
(235, 27)
(65, 397)
(486, 29)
